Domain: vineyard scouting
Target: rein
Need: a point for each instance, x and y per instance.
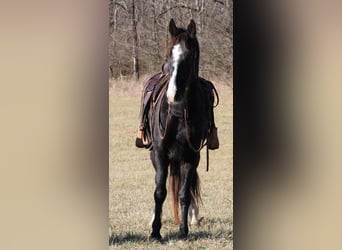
(187, 135)
(156, 110)
(187, 131)
(156, 106)
(202, 143)
(166, 123)
(185, 116)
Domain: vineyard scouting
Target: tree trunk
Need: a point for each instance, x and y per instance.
(155, 33)
(135, 44)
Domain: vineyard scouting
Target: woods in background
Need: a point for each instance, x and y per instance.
(139, 35)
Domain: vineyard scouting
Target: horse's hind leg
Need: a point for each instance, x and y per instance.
(187, 173)
(195, 198)
(193, 213)
(160, 164)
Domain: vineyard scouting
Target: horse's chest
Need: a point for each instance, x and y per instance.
(177, 147)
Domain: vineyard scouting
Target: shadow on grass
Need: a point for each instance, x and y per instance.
(195, 235)
(217, 220)
(131, 237)
(139, 238)
(200, 235)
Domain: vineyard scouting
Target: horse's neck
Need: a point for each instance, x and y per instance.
(190, 98)
(191, 91)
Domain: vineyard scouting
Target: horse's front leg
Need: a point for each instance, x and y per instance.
(187, 173)
(160, 164)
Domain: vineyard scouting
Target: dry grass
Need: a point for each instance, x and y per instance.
(131, 178)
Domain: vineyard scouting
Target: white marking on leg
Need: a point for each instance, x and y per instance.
(151, 222)
(193, 214)
(177, 57)
(153, 216)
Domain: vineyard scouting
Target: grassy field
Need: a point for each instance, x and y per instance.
(131, 180)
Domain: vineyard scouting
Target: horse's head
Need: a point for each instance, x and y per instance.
(183, 59)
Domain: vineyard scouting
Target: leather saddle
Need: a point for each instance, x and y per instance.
(152, 88)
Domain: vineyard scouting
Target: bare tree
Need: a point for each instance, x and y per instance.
(139, 35)
(135, 43)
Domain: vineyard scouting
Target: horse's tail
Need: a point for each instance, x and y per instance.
(174, 184)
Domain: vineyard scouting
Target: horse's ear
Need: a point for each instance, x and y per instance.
(192, 28)
(172, 27)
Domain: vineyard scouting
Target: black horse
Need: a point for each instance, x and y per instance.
(179, 128)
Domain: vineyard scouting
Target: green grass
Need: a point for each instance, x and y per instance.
(131, 181)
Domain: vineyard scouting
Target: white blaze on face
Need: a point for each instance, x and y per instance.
(177, 57)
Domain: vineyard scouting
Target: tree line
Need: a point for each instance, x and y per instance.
(139, 35)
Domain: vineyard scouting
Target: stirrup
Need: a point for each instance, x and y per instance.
(212, 140)
(142, 141)
(139, 143)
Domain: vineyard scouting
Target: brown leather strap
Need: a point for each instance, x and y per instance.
(207, 158)
(187, 135)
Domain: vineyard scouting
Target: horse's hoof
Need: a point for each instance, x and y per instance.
(196, 222)
(182, 236)
(155, 237)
